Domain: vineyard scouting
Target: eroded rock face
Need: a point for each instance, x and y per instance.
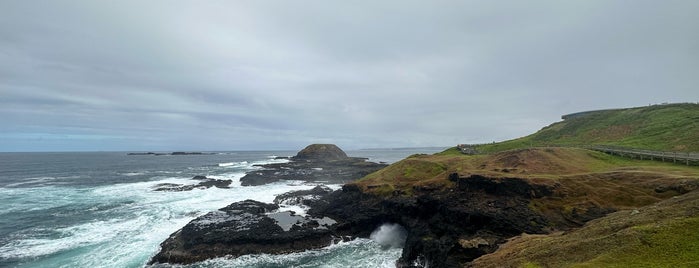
(445, 228)
(246, 227)
(323, 163)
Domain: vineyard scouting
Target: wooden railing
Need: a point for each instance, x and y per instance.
(685, 158)
(675, 157)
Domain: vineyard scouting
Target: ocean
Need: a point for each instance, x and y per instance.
(99, 209)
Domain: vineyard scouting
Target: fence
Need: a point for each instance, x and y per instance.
(675, 157)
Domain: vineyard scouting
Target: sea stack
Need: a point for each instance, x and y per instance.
(317, 163)
(321, 152)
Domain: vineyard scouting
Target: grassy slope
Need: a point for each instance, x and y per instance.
(661, 235)
(540, 164)
(585, 179)
(673, 127)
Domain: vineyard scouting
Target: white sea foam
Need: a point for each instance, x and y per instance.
(233, 164)
(356, 253)
(130, 174)
(134, 229)
(31, 181)
(390, 235)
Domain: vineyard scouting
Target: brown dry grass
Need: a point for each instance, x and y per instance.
(537, 164)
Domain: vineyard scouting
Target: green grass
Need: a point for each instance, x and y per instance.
(673, 127)
(671, 243)
(663, 234)
(403, 175)
(450, 151)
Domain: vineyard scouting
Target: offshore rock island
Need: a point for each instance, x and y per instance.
(545, 200)
(325, 163)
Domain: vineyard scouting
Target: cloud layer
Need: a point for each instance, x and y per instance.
(228, 75)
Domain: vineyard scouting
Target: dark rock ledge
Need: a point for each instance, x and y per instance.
(248, 227)
(204, 183)
(324, 163)
(444, 228)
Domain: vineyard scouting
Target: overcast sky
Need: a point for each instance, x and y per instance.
(237, 75)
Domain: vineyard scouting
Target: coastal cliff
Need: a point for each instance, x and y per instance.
(455, 208)
(472, 205)
(515, 206)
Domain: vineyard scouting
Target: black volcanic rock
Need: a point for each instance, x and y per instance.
(246, 227)
(204, 184)
(445, 228)
(321, 152)
(324, 163)
(200, 178)
(303, 197)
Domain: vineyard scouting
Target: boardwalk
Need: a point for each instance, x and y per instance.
(675, 157)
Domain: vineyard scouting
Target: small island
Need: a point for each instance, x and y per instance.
(172, 153)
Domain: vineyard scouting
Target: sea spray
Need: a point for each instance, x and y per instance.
(390, 235)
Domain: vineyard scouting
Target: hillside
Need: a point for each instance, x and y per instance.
(661, 235)
(544, 200)
(554, 164)
(553, 196)
(670, 127)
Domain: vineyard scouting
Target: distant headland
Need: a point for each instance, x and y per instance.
(172, 153)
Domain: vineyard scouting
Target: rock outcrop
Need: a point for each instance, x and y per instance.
(324, 163)
(204, 184)
(321, 152)
(445, 228)
(246, 227)
(306, 198)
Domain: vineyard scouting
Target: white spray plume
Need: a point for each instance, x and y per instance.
(390, 235)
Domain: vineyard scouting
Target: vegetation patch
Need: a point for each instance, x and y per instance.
(659, 235)
(673, 127)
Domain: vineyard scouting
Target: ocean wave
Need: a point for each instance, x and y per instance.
(31, 181)
(130, 174)
(233, 164)
(121, 225)
(356, 253)
(70, 237)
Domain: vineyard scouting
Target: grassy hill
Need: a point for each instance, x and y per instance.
(542, 164)
(671, 127)
(661, 235)
(656, 202)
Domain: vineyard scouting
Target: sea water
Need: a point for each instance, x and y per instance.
(100, 209)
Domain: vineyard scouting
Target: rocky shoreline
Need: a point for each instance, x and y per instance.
(449, 219)
(252, 227)
(445, 228)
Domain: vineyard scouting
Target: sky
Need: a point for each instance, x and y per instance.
(267, 75)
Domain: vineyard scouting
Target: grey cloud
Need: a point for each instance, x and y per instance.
(221, 75)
